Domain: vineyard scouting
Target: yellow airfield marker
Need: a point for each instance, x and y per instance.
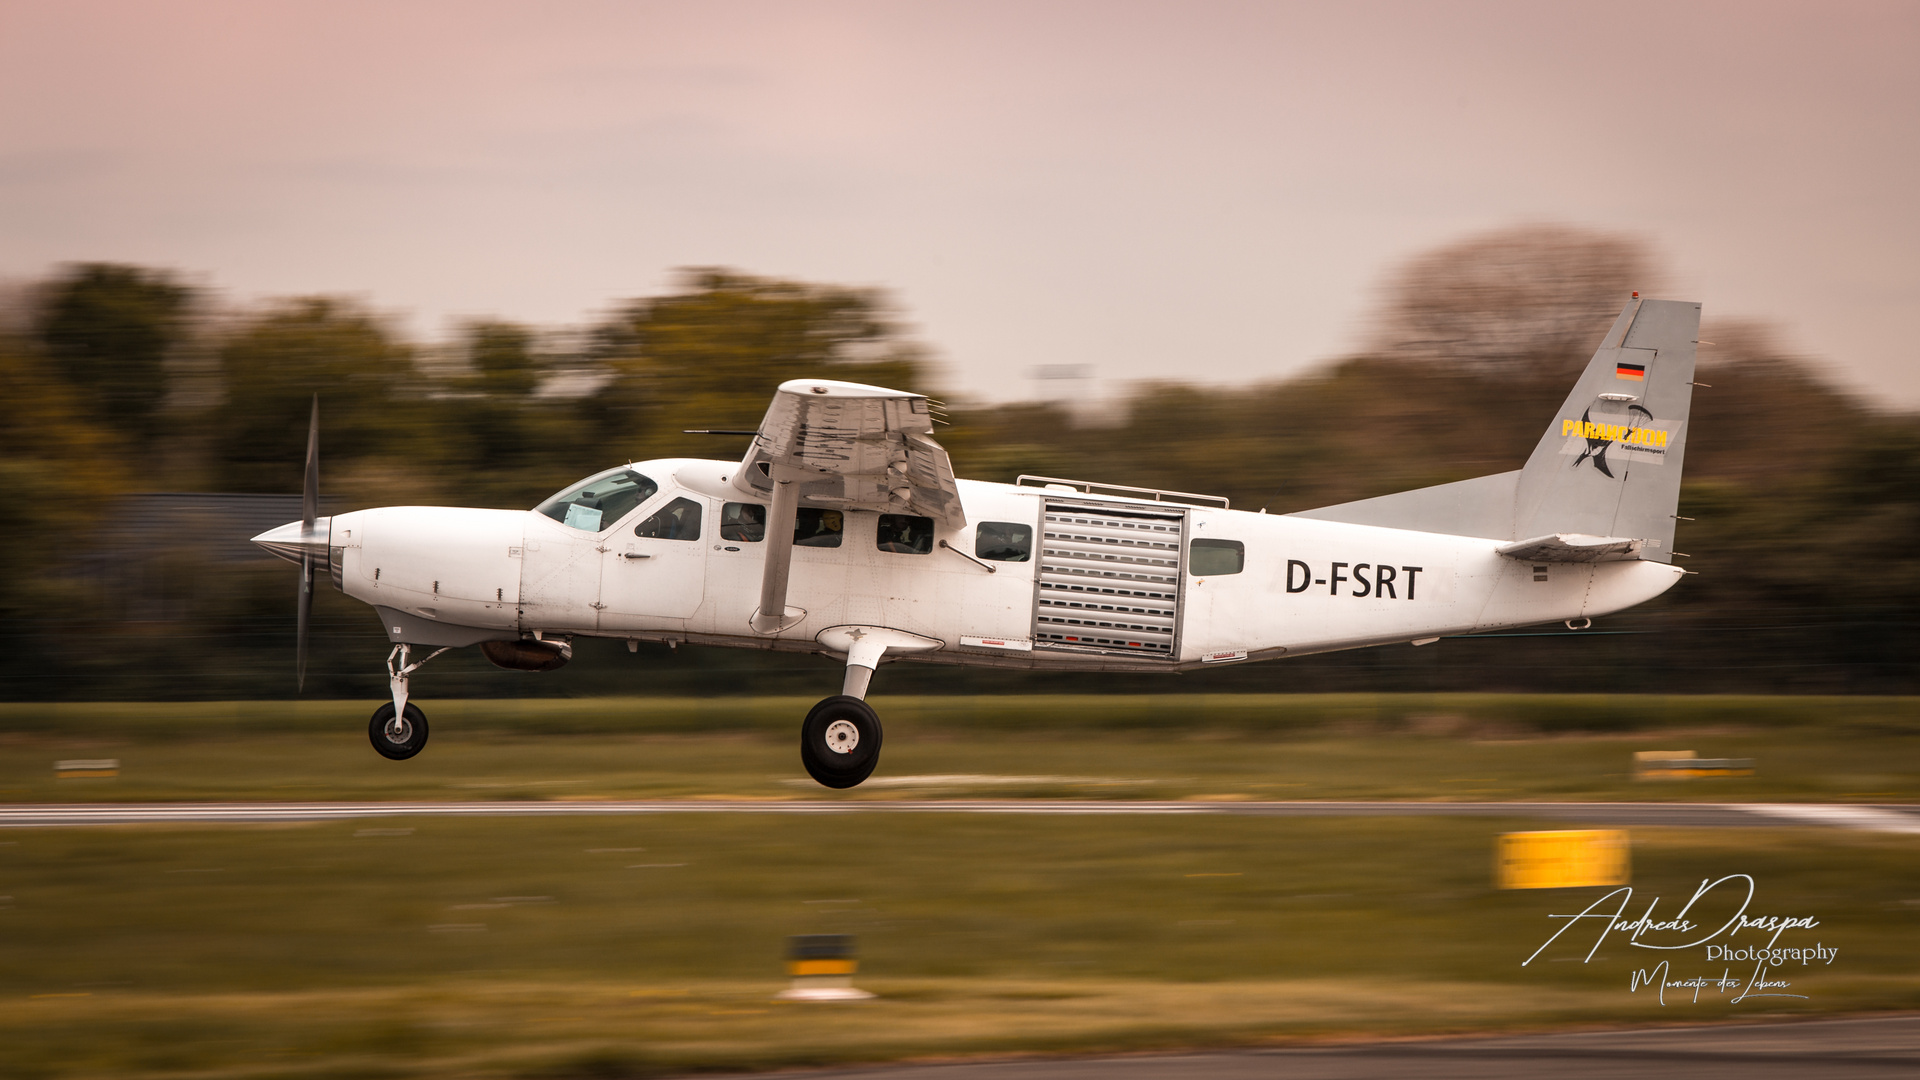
(1561, 859)
(822, 966)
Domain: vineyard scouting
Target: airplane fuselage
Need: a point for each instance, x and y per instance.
(1100, 582)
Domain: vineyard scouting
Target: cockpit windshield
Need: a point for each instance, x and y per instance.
(599, 500)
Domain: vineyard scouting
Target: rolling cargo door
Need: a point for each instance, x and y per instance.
(1109, 580)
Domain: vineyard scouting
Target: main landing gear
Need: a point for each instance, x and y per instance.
(840, 740)
(398, 729)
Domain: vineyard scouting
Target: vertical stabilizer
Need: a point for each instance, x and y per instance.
(1609, 464)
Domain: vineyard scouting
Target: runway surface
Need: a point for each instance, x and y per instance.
(1856, 1049)
(1884, 818)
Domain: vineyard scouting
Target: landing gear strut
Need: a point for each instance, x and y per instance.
(398, 730)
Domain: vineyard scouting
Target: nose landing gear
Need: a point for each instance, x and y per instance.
(398, 729)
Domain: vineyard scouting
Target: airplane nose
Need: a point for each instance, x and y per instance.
(294, 540)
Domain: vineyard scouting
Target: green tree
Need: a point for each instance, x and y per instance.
(57, 475)
(711, 354)
(108, 330)
(372, 422)
(497, 440)
(1513, 298)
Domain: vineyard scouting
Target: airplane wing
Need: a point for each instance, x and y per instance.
(852, 447)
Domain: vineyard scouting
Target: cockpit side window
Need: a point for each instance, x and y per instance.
(678, 520)
(743, 523)
(599, 500)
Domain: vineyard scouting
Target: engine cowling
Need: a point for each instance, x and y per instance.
(527, 654)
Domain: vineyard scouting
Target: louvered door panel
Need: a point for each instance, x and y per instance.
(1109, 580)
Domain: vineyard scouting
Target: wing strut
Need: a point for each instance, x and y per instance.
(846, 446)
(774, 615)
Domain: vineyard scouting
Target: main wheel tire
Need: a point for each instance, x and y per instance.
(840, 741)
(398, 738)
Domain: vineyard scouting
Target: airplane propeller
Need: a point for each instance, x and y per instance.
(304, 542)
(309, 511)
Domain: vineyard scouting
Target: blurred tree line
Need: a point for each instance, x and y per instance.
(129, 379)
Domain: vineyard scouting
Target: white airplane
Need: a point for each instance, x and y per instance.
(843, 531)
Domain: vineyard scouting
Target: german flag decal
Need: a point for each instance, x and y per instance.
(1636, 372)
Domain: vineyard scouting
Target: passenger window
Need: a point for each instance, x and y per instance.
(1003, 541)
(814, 527)
(678, 520)
(904, 534)
(743, 522)
(1216, 558)
(600, 500)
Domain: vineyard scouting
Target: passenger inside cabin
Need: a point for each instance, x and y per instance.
(813, 527)
(746, 523)
(743, 523)
(904, 534)
(678, 520)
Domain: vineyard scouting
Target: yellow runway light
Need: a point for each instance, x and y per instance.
(822, 966)
(799, 968)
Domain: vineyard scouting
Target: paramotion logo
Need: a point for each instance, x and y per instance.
(1610, 434)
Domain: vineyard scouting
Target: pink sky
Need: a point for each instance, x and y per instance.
(1191, 190)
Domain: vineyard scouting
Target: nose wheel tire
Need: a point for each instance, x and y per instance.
(398, 736)
(840, 741)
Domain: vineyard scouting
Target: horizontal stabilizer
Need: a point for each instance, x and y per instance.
(1573, 547)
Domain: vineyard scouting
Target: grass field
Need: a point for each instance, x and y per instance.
(442, 947)
(1304, 747)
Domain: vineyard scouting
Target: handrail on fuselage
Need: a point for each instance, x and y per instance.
(1087, 487)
